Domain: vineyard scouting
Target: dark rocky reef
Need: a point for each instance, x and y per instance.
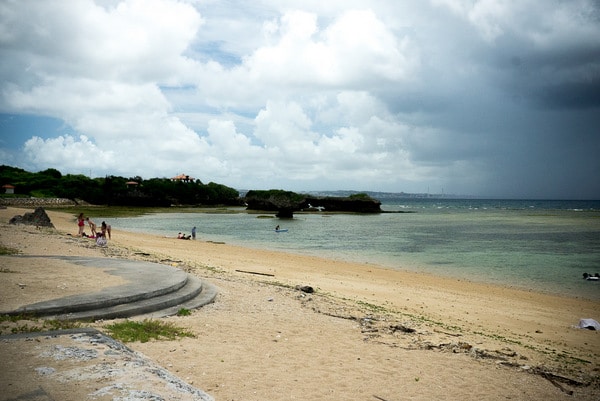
(38, 218)
(285, 203)
(351, 204)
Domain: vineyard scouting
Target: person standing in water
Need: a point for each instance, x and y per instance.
(194, 232)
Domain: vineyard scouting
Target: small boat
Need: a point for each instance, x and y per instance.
(281, 230)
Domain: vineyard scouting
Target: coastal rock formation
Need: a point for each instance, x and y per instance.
(38, 218)
(349, 204)
(286, 203)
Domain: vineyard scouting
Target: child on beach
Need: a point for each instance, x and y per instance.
(92, 226)
(105, 228)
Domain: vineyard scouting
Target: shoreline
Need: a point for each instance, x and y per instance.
(523, 329)
(545, 276)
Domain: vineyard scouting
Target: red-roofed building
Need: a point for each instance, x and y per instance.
(182, 177)
(8, 189)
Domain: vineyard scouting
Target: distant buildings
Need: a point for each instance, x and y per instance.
(182, 177)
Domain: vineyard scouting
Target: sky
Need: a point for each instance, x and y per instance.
(485, 98)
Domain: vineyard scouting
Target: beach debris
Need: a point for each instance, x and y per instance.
(259, 273)
(591, 277)
(447, 333)
(171, 261)
(494, 354)
(45, 371)
(305, 288)
(400, 327)
(22, 285)
(555, 379)
(589, 324)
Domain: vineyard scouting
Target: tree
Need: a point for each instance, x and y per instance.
(113, 190)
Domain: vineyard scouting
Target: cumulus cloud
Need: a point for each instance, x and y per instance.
(389, 95)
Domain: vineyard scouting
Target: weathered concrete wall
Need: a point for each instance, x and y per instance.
(35, 202)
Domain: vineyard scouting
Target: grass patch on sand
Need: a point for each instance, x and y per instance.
(17, 324)
(5, 250)
(372, 307)
(146, 330)
(184, 312)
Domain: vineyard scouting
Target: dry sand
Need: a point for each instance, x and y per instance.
(264, 340)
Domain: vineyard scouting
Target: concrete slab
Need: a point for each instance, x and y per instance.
(84, 364)
(144, 280)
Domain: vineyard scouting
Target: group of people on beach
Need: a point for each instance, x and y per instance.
(105, 229)
(191, 236)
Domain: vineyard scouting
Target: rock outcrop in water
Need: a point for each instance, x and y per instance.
(285, 203)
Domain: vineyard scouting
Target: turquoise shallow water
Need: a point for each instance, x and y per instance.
(541, 245)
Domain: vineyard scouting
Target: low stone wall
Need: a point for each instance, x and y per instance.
(35, 202)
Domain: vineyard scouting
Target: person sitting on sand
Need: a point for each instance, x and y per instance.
(101, 240)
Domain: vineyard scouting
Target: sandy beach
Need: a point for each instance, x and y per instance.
(366, 333)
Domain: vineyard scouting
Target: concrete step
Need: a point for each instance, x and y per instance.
(151, 289)
(207, 296)
(189, 296)
(144, 280)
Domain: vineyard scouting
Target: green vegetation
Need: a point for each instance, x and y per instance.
(372, 307)
(24, 323)
(115, 191)
(360, 196)
(276, 194)
(114, 211)
(144, 331)
(184, 312)
(4, 250)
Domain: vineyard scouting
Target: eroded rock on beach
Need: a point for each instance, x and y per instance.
(38, 218)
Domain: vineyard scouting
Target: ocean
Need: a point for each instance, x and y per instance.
(538, 245)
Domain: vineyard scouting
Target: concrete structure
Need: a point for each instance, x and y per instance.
(83, 364)
(152, 290)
